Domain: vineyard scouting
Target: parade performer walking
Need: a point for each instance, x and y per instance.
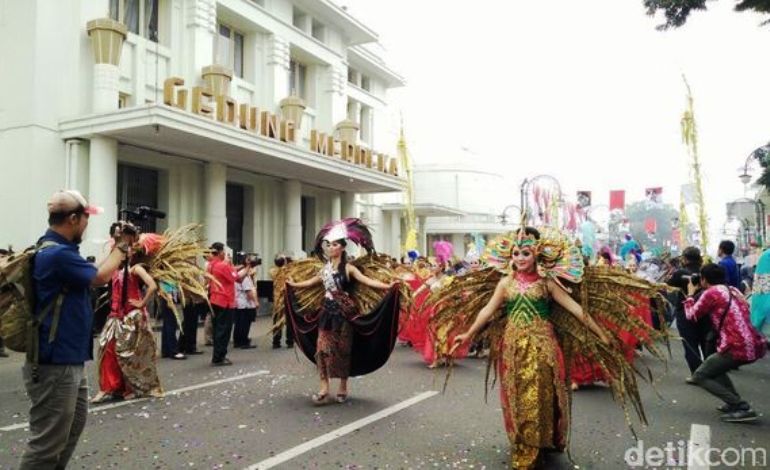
(127, 354)
(535, 326)
(340, 320)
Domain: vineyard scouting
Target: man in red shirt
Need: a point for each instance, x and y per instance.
(222, 299)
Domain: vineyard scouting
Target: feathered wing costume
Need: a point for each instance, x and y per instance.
(373, 316)
(127, 353)
(604, 293)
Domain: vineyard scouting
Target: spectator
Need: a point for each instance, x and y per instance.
(726, 260)
(57, 387)
(737, 342)
(693, 334)
(246, 306)
(169, 345)
(279, 262)
(222, 299)
(195, 308)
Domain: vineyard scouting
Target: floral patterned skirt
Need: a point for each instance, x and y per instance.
(533, 391)
(130, 341)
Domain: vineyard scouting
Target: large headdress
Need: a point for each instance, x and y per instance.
(557, 256)
(346, 229)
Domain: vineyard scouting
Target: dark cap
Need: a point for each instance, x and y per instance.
(217, 247)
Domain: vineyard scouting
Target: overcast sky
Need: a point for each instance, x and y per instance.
(587, 91)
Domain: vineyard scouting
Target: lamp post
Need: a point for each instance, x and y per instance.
(504, 215)
(759, 154)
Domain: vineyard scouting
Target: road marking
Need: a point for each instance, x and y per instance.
(178, 391)
(347, 429)
(700, 439)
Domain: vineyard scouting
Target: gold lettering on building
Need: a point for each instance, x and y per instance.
(248, 118)
(226, 109)
(200, 100)
(251, 119)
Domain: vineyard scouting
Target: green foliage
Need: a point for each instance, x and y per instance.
(676, 12)
(664, 215)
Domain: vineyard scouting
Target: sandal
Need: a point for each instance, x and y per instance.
(319, 398)
(342, 397)
(101, 397)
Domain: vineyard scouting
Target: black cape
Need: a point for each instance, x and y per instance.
(374, 333)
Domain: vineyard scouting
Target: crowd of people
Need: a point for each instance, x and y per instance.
(514, 300)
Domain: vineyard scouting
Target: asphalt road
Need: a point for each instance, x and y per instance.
(258, 412)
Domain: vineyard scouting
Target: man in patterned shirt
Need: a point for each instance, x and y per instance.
(738, 342)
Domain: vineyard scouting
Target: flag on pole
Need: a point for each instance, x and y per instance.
(618, 200)
(583, 199)
(654, 195)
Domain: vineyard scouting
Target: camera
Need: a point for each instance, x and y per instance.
(695, 279)
(244, 258)
(141, 214)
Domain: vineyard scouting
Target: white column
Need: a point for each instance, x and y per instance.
(336, 206)
(293, 193)
(105, 90)
(276, 80)
(349, 208)
(215, 216)
(102, 184)
(395, 233)
(200, 28)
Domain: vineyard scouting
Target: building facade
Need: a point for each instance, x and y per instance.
(260, 119)
(458, 202)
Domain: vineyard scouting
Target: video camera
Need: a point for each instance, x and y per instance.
(244, 258)
(141, 214)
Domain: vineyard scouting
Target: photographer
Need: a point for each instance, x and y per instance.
(246, 303)
(693, 334)
(736, 341)
(222, 299)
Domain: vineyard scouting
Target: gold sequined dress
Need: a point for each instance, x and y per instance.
(533, 388)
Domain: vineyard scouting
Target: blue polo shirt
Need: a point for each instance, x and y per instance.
(731, 270)
(58, 267)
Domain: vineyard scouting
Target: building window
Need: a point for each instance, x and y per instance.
(122, 100)
(228, 49)
(366, 84)
(365, 124)
(318, 31)
(298, 79)
(300, 20)
(137, 187)
(139, 16)
(234, 214)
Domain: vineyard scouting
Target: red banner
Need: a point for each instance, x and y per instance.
(618, 200)
(650, 225)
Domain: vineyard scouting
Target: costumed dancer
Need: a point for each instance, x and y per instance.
(127, 357)
(340, 321)
(585, 371)
(535, 326)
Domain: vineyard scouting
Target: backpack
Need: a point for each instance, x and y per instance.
(18, 323)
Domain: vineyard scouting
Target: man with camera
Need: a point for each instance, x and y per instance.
(222, 299)
(56, 386)
(246, 302)
(735, 340)
(693, 334)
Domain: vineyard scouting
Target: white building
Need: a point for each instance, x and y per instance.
(186, 117)
(458, 200)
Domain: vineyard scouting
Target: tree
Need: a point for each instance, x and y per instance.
(664, 215)
(677, 11)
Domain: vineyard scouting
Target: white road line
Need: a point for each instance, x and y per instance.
(700, 439)
(178, 391)
(347, 429)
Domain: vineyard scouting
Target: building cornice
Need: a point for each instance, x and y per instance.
(175, 131)
(368, 62)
